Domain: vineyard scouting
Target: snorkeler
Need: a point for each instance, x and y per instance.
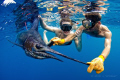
(92, 26)
(65, 30)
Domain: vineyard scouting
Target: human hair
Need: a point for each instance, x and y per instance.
(94, 16)
(65, 20)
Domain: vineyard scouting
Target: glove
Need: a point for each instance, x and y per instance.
(57, 41)
(96, 64)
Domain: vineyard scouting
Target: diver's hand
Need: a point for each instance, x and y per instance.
(57, 41)
(96, 64)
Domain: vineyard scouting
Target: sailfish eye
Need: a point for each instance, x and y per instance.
(38, 46)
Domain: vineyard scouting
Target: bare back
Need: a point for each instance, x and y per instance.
(98, 31)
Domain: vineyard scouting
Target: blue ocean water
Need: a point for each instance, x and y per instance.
(15, 65)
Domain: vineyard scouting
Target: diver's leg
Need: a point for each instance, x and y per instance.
(45, 37)
(78, 42)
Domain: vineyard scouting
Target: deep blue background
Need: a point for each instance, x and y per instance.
(15, 65)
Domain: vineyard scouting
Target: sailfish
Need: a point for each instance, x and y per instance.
(34, 46)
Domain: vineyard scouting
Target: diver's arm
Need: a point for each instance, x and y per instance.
(107, 44)
(58, 41)
(78, 32)
(45, 37)
(44, 26)
(97, 63)
(78, 43)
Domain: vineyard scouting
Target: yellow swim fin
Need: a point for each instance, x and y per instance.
(49, 9)
(60, 7)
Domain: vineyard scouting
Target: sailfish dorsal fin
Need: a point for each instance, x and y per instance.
(35, 24)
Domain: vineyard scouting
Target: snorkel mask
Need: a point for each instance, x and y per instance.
(66, 27)
(87, 23)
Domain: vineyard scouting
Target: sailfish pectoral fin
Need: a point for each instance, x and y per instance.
(46, 55)
(31, 54)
